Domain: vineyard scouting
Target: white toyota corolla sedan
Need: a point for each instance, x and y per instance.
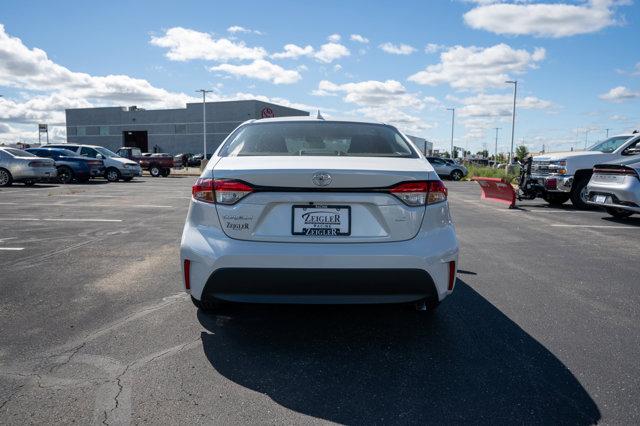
(304, 210)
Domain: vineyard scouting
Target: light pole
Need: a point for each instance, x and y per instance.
(453, 120)
(513, 117)
(586, 138)
(495, 158)
(204, 119)
(605, 129)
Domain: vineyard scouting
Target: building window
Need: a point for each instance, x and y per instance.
(82, 131)
(72, 131)
(104, 131)
(181, 129)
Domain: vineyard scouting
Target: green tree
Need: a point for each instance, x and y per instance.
(455, 153)
(521, 152)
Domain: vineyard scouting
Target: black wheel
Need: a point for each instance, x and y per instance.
(456, 175)
(155, 171)
(65, 174)
(165, 172)
(5, 177)
(208, 306)
(618, 213)
(112, 174)
(579, 194)
(29, 182)
(127, 179)
(555, 199)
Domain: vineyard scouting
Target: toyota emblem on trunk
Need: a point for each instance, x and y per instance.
(321, 179)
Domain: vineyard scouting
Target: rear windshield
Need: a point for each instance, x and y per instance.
(19, 152)
(317, 139)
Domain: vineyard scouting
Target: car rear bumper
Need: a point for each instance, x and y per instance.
(625, 195)
(267, 272)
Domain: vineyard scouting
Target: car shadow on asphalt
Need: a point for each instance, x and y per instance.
(467, 363)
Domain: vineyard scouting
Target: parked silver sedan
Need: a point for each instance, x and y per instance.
(616, 187)
(447, 168)
(17, 165)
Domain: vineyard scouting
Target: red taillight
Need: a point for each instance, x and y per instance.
(419, 193)
(187, 271)
(452, 275)
(202, 190)
(221, 191)
(616, 171)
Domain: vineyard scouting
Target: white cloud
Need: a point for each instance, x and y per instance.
(397, 49)
(433, 48)
(619, 94)
(238, 29)
(358, 38)
(496, 105)
(185, 44)
(261, 70)
(32, 69)
(293, 51)
(384, 101)
(543, 19)
(477, 68)
(328, 52)
(374, 93)
(334, 38)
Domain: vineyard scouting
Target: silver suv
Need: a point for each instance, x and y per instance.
(446, 167)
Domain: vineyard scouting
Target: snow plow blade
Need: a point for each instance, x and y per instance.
(497, 189)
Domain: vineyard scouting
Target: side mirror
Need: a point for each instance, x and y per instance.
(99, 156)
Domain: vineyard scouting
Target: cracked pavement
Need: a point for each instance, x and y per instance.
(543, 327)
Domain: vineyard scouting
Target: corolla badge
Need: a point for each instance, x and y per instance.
(321, 179)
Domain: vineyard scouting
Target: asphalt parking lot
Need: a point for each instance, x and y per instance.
(544, 325)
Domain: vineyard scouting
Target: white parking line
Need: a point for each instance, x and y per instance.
(11, 248)
(35, 219)
(82, 220)
(596, 226)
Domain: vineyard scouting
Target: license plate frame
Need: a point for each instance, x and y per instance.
(319, 230)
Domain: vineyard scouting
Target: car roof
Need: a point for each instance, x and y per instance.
(310, 119)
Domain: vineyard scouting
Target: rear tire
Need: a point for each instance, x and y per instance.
(618, 213)
(5, 177)
(165, 172)
(112, 174)
(65, 174)
(456, 175)
(579, 194)
(556, 199)
(154, 171)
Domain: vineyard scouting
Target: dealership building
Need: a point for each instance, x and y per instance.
(167, 130)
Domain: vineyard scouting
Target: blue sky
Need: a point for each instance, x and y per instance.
(577, 63)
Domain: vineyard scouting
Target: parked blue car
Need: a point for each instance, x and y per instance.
(71, 166)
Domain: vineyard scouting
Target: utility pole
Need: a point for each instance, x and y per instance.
(513, 116)
(586, 138)
(453, 119)
(204, 119)
(605, 129)
(495, 158)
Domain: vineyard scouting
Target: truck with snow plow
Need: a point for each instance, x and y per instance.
(562, 176)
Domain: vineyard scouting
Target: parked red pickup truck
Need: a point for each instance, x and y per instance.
(156, 164)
